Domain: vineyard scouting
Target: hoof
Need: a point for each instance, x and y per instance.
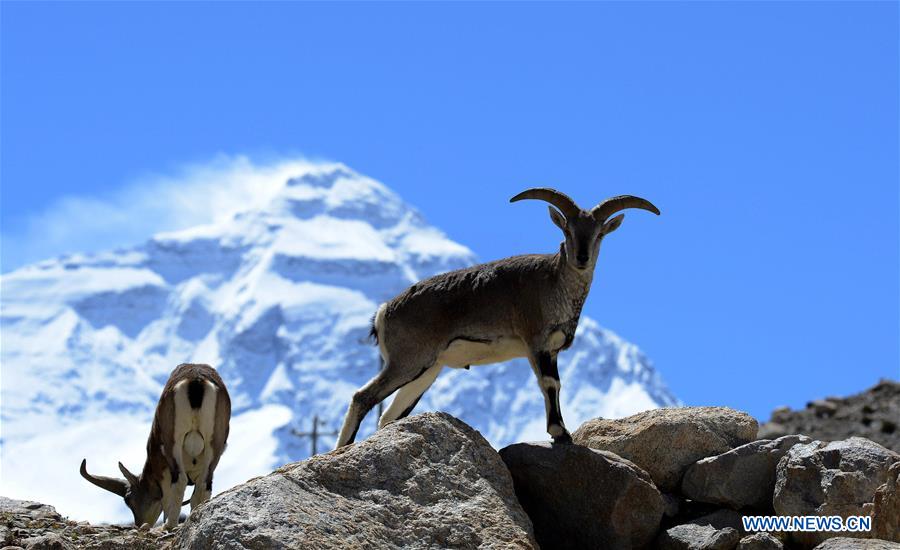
(563, 439)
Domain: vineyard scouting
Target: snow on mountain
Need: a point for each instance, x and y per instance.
(279, 299)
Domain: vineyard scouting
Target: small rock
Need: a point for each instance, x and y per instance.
(838, 478)
(690, 536)
(886, 508)
(739, 478)
(583, 498)
(844, 543)
(721, 519)
(665, 442)
(760, 541)
(50, 541)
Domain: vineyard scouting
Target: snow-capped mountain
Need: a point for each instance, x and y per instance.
(279, 299)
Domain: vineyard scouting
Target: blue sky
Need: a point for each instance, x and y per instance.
(767, 133)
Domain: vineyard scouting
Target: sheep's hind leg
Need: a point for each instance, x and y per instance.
(376, 390)
(407, 397)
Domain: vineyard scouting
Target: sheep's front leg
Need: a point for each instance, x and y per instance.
(544, 365)
(173, 490)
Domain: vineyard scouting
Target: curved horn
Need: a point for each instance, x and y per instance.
(560, 200)
(111, 484)
(612, 205)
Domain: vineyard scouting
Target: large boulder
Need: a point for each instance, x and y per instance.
(844, 543)
(428, 481)
(739, 478)
(665, 442)
(886, 508)
(582, 498)
(830, 479)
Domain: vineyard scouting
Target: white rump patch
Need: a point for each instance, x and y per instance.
(194, 430)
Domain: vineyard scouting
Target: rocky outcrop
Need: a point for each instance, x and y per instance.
(583, 498)
(35, 526)
(827, 479)
(886, 507)
(740, 478)
(665, 442)
(873, 414)
(431, 481)
(428, 481)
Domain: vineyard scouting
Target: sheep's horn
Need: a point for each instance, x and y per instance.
(111, 484)
(612, 205)
(560, 200)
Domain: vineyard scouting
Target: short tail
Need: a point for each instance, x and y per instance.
(373, 331)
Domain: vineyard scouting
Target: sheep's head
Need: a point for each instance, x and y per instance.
(143, 497)
(584, 229)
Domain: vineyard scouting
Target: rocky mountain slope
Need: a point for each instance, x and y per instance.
(279, 299)
(873, 414)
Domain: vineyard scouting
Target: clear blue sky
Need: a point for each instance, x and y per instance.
(767, 133)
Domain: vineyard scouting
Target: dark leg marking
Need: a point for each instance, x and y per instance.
(409, 409)
(176, 473)
(548, 368)
(547, 365)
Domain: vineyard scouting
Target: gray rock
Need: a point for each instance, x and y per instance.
(583, 498)
(838, 478)
(665, 442)
(27, 508)
(691, 536)
(760, 541)
(739, 478)
(844, 543)
(50, 541)
(34, 526)
(886, 507)
(721, 519)
(427, 481)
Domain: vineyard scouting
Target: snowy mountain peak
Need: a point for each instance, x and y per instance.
(278, 297)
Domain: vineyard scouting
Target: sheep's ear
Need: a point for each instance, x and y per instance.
(613, 224)
(557, 218)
